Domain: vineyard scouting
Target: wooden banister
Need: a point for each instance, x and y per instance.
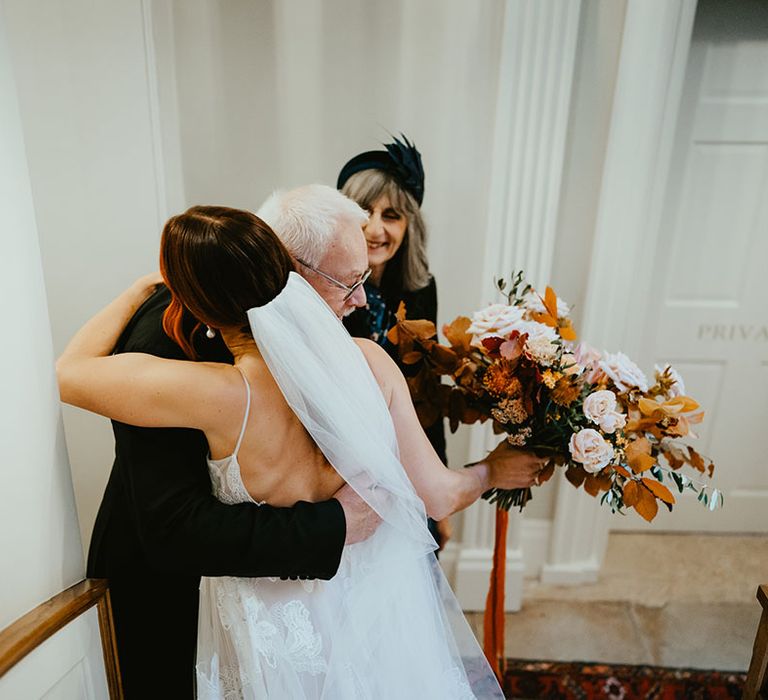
(756, 686)
(31, 630)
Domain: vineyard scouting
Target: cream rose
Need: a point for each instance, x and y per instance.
(591, 450)
(611, 422)
(495, 320)
(600, 408)
(625, 374)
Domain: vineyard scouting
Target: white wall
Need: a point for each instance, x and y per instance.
(266, 99)
(90, 111)
(40, 549)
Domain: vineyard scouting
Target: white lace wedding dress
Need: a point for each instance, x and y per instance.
(387, 626)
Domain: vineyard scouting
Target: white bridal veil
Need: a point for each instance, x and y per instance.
(387, 625)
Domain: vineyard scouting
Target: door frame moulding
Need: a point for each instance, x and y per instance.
(652, 64)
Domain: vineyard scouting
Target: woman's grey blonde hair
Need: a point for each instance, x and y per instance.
(365, 188)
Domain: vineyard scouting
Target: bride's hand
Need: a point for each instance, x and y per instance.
(513, 468)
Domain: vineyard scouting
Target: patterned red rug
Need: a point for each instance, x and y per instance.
(584, 681)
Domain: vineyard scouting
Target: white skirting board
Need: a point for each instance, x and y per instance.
(469, 568)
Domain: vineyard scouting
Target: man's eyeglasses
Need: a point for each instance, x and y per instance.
(349, 290)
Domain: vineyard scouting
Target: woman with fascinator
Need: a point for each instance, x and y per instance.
(304, 409)
(389, 185)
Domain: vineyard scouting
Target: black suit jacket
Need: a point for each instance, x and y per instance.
(159, 529)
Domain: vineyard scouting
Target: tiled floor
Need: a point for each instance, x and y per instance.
(669, 600)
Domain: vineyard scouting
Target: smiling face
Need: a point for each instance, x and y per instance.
(384, 232)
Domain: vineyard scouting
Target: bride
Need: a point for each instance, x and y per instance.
(304, 409)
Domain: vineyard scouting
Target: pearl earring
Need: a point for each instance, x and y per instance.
(210, 333)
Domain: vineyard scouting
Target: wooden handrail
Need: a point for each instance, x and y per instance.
(31, 630)
(757, 679)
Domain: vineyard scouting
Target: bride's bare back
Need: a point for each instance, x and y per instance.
(279, 461)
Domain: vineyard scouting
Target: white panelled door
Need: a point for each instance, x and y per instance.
(709, 301)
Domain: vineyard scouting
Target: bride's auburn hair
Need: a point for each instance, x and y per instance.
(217, 263)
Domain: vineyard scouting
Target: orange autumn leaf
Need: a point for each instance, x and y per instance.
(549, 316)
(566, 330)
(639, 425)
(544, 318)
(631, 493)
(620, 470)
(546, 473)
(400, 313)
(673, 455)
(550, 302)
(681, 404)
(456, 333)
(646, 505)
(671, 407)
(411, 358)
(696, 460)
(575, 474)
(648, 406)
(659, 490)
(595, 483)
(638, 454)
(419, 328)
(678, 427)
(445, 359)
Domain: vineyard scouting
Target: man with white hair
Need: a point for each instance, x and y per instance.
(323, 230)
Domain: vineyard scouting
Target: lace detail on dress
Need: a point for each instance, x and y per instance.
(227, 483)
(261, 637)
(303, 646)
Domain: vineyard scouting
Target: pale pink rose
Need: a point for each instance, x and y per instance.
(586, 355)
(495, 320)
(589, 358)
(678, 388)
(533, 302)
(625, 374)
(591, 450)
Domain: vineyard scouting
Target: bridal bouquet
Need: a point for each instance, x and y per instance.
(617, 434)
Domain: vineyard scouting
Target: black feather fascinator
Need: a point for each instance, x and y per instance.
(401, 160)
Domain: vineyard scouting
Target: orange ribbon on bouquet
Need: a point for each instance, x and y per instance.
(493, 620)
